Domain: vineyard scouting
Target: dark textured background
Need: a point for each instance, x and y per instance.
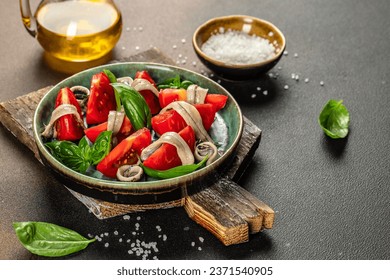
(331, 197)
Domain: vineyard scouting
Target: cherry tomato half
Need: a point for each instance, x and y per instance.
(150, 98)
(126, 152)
(94, 131)
(166, 156)
(67, 127)
(101, 99)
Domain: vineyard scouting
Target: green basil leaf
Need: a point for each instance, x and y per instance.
(113, 79)
(101, 147)
(173, 172)
(49, 240)
(174, 83)
(110, 75)
(334, 119)
(85, 148)
(135, 106)
(185, 84)
(69, 154)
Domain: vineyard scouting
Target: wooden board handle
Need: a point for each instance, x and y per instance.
(229, 212)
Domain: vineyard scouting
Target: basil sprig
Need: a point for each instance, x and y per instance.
(175, 171)
(49, 240)
(175, 82)
(80, 157)
(334, 119)
(135, 106)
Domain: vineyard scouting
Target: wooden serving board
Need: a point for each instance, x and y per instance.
(225, 209)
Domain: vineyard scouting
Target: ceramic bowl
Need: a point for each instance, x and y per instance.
(226, 130)
(249, 25)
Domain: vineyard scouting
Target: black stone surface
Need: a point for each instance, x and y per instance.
(331, 197)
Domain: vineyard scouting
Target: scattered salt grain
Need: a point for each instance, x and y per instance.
(285, 53)
(193, 244)
(265, 92)
(322, 83)
(199, 248)
(116, 232)
(140, 28)
(186, 228)
(123, 48)
(258, 88)
(219, 81)
(164, 237)
(138, 218)
(236, 47)
(127, 28)
(253, 96)
(194, 63)
(158, 228)
(126, 217)
(306, 80)
(106, 244)
(295, 55)
(201, 239)
(137, 48)
(183, 41)
(174, 46)
(286, 87)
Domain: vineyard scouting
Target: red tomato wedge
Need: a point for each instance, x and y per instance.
(94, 131)
(166, 156)
(145, 75)
(168, 121)
(67, 127)
(169, 95)
(218, 100)
(101, 99)
(126, 152)
(207, 111)
(173, 121)
(150, 98)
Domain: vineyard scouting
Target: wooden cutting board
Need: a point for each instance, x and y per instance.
(225, 209)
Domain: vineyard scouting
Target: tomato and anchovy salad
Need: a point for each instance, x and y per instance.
(128, 128)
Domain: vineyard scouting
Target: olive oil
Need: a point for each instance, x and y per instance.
(78, 31)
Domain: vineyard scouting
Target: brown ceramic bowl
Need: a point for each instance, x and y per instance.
(247, 24)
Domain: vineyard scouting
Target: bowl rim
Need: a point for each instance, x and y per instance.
(238, 66)
(145, 187)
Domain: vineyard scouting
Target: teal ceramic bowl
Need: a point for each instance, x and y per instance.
(226, 131)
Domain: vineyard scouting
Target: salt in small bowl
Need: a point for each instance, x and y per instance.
(246, 24)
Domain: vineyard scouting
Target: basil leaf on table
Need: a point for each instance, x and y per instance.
(80, 157)
(334, 119)
(49, 240)
(135, 106)
(175, 171)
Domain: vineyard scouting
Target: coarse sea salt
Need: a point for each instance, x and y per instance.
(237, 47)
